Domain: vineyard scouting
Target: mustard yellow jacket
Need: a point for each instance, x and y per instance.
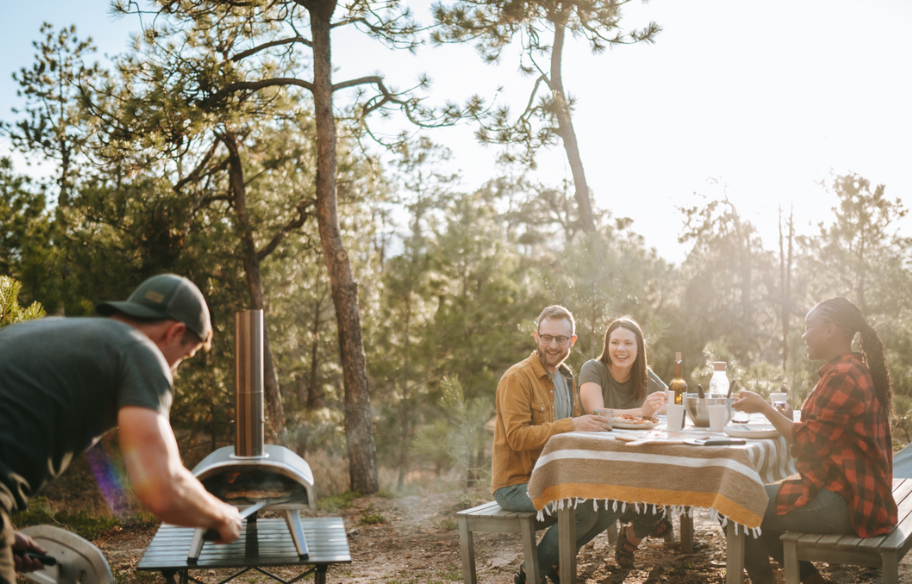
(525, 420)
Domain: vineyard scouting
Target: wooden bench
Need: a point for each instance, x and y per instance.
(490, 518)
(885, 551)
(263, 543)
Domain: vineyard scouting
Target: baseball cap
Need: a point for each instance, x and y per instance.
(165, 296)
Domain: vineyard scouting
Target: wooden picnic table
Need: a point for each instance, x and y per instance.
(592, 468)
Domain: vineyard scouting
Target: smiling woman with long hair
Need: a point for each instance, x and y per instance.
(842, 444)
(620, 379)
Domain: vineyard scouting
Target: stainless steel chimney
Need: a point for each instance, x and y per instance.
(248, 366)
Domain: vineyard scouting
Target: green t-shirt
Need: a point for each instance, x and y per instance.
(62, 382)
(618, 396)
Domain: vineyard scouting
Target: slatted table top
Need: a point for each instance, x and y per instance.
(264, 543)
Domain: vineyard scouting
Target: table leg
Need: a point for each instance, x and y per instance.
(566, 532)
(320, 575)
(734, 568)
(687, 531)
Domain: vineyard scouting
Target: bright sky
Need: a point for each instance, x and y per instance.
(765, 102)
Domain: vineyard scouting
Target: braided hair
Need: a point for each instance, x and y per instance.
(845, 315)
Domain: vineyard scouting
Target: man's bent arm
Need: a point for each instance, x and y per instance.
(160, 479)
(514, 403)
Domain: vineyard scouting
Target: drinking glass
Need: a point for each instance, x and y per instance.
(675, 417)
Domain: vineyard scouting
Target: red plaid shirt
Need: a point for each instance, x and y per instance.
(843, 444)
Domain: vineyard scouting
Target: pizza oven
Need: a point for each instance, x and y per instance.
(251, 472)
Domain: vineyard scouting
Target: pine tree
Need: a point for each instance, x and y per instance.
(493, 24)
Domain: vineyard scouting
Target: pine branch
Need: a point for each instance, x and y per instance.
(293, 224)
(270, 44)
(255, 86)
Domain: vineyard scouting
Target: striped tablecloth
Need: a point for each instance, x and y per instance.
(727, 480)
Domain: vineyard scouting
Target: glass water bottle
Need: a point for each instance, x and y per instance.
(718, 384)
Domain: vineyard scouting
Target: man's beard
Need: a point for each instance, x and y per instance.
(553, 360)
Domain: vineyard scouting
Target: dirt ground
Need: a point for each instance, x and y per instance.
(414, 540)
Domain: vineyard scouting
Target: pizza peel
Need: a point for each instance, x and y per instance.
(75, 560)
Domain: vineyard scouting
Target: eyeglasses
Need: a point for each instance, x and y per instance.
(561, 339)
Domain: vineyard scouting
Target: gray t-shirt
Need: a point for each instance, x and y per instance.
(618, 396)
(62, 382)
(562, 405)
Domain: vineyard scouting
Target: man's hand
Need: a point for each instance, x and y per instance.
(230, 527)
(750, 402)
(22, 562)
(591, 423)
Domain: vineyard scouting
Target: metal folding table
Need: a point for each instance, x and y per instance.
(263, 543)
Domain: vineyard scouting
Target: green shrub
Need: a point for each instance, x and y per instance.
(337, 502)
(83, 524)
(371, 517)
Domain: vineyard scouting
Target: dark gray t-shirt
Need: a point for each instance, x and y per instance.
(62, 382)
(618, 396)
(563, 407)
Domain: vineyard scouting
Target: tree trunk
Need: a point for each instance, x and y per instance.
(314, 393)
(861, 274)
(63, 198)
(785, 284)
(251, 264)
(566, 132)
(359, 437)
(405, 414)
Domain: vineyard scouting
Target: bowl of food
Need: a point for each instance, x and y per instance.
(697, 408)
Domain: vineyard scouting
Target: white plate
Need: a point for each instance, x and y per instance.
(756, 431)
(625, 426)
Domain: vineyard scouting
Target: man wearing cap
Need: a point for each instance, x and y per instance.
(64, 382)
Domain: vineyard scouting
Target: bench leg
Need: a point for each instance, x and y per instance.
(612, 534)
(790, 564)
(687, 531)
(467, 549)
(890, 567)
(566, 529)
(530, 550)
(320, 575)
(734, 563)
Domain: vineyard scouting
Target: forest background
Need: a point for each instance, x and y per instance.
(173, 160)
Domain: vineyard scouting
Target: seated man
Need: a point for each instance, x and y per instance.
(64, 382)
(536, 399)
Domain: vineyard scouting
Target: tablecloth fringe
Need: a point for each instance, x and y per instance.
(674, 510)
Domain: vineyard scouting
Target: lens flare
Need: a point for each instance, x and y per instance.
(108, 478)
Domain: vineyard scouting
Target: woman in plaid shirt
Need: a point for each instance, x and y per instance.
(842, 444)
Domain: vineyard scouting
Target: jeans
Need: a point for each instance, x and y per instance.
(7, 571)
(826, 513)
(589, 523)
